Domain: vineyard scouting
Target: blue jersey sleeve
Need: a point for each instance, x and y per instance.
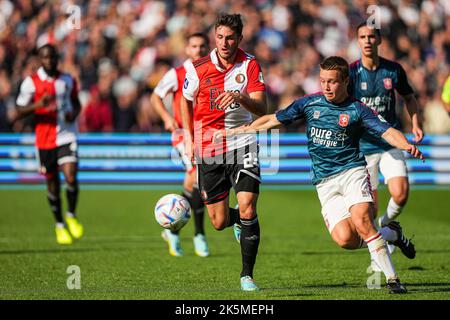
(372, 122)
(292, 112)
(402, 87)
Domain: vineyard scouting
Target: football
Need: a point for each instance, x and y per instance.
(172, 212)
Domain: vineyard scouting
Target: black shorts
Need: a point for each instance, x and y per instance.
(239, 169)
(50, 159)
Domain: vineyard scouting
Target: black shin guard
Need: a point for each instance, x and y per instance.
(250, 234)
(55, 206)
(72, 197)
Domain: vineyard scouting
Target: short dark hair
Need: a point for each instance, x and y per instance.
(198, 35)
(232, 21)
(336, 63)
(50, 47)
(366, 24)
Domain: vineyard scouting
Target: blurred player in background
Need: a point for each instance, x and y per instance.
(52, 96)
(172, 82)
(374, 80)
(335, 123)
(223, 90)
(446, 95)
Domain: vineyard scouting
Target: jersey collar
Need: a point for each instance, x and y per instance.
(240, 56)
(44, 75)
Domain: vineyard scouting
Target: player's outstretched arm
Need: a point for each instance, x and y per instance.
(413, 109)
(397, 139)
(264, 123)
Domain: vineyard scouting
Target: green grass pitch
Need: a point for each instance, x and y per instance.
(122, 255)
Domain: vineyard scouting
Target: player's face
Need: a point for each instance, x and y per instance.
(196, 48)
(368, 41)
(333, 86)
(49, 59)
(227, 42)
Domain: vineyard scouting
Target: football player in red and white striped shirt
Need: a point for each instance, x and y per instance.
(52, 96)
(223, 90)
(172, 82)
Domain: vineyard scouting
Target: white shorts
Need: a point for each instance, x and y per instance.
(390, 163)
(341, 191)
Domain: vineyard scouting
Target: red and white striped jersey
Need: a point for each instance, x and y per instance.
(50, 126)
(172, 81)
(204, 81)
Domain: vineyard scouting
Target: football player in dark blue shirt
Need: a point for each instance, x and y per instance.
(374, 80)
(335, 123)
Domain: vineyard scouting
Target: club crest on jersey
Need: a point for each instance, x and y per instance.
(387, 83)
(316, 114)
(363, 85)
(240, 78)
(344, 119)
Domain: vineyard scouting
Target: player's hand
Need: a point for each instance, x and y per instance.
(47, 101)
(220, 134)
(415, 152)
(418, 134)
(189, 150)
(170, 125)
(227, 98)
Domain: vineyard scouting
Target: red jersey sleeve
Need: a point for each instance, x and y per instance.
(255, 77)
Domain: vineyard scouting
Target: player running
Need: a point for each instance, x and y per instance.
(222, 90)
(172, 82)
(334, 125)
(374, 80)
(52, 96)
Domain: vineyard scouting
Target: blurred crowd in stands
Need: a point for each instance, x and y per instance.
(118, 50)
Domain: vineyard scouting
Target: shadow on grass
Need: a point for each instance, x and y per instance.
(428, 287)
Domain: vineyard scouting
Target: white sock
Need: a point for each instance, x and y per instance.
(379, 253)
(388, 234)
(70, 215)
(60, 225)
(393, 210)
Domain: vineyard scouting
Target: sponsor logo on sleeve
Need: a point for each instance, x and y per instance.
(260, 77)
(186, 83)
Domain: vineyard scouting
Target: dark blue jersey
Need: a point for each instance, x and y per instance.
(333, 132)
(375, 88)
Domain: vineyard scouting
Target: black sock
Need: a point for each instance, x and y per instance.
(72, 197)
(175, 232)
(198, 207)
(250, 234)
(234, 217)
(55, 206)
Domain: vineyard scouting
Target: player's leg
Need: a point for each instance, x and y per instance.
(393, 167)
(373, 162)
(48, 166)
(192, 193)
(68, 163)
(245, 175)
(358, 198)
